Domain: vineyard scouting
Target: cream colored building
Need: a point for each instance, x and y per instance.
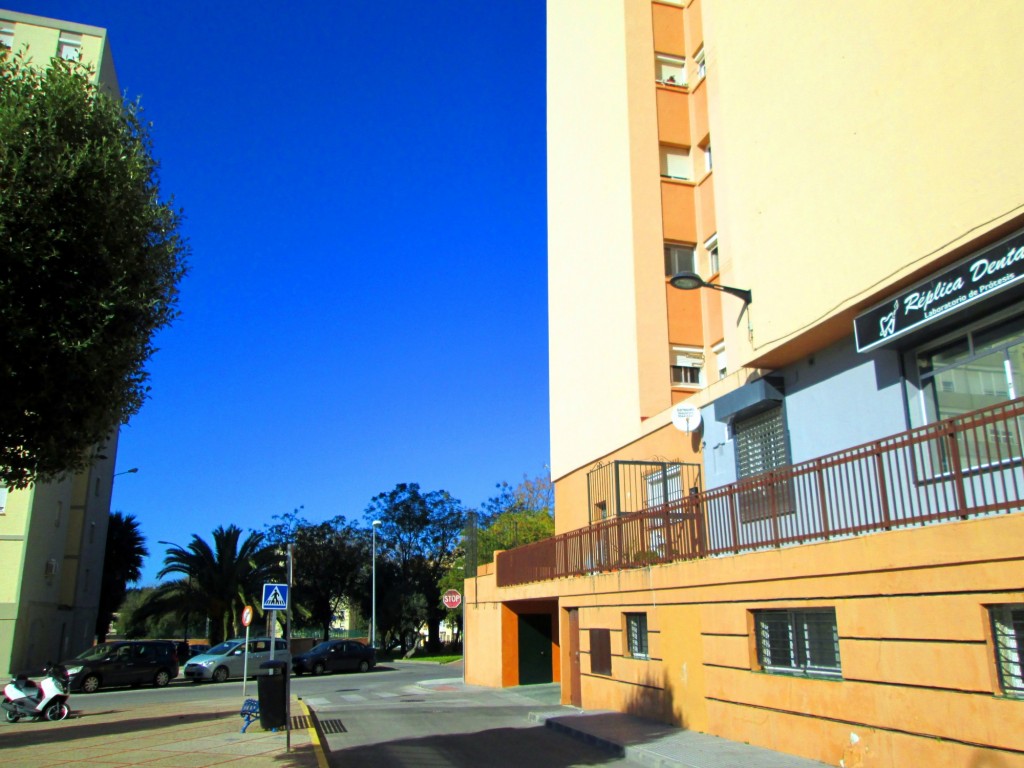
(52, 535)
(788, 517)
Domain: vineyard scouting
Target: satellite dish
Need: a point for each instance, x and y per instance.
(686, 418)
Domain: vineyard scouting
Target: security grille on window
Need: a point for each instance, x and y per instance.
(636, 635)
(1008, 634)
(679, 258)
(798, 642)
(760, 442)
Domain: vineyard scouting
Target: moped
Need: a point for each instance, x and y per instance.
(47, 700)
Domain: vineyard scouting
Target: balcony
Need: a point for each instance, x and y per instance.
(962, 467)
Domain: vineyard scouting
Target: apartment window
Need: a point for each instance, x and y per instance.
(7, 33)
(679, 258)
(636, 635)
(707, 157)
(676, 163)
(798, 642)
(1008, 634)
(687, 364)
(670, 70)
(69, 46)
(600, 652)
(721, 361)
(3, 500)
(711, 246)
(702, 69)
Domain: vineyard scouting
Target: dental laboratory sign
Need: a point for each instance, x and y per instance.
(976, 277)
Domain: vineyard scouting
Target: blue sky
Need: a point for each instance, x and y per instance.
(364, 193)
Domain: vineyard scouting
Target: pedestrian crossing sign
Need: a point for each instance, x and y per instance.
(275, 597)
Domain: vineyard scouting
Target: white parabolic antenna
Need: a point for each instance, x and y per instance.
(686, 418)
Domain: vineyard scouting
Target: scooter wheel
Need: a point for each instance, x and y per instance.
(56, 711)
(12, 717)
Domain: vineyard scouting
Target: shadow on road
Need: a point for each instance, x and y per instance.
(536, 747)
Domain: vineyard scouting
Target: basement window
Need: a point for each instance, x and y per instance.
(798, 642)
(1008, 635)
(636, 635)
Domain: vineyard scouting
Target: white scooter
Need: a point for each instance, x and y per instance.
(47, 700)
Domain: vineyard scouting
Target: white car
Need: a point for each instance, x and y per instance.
(229, 659)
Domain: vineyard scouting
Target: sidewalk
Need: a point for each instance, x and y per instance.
(158, 735)
(663, 746)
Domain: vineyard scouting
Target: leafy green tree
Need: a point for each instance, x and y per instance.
(420, 534)
(129, 624)
(328, 560)
(92, 258)
(122, 565)
(220, 580)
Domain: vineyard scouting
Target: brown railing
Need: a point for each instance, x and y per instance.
(964, 466)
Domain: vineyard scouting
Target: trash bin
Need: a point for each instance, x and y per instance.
(271, 686)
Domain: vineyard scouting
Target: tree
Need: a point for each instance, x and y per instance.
(122, 565)
(92, 258)
(517, 515)
(328, 558)
(219, 580)
(420, 533)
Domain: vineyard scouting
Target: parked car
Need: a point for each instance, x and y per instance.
(228, 659)
(196, 649)
(130, 662)
(336, 656)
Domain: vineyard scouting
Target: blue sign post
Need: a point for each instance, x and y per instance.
(275, 597)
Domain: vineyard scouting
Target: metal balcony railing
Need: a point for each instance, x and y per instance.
(960, 467)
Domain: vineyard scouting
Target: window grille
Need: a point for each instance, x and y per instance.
(798, 642)
(1008, 634)
(636, 635)
(760, 442)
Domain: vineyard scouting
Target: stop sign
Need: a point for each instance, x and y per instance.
(452, 599)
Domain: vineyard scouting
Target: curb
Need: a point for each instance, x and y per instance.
(314, 736)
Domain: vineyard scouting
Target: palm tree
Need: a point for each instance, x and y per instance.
(218, 581)
(122, 565)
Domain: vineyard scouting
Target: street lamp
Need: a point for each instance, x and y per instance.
(188, 611)
(131, 471)
(373, 590)
(689, 281)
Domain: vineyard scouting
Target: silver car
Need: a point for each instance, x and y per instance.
(229, 659)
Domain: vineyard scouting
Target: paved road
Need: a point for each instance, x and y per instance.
(409, 715)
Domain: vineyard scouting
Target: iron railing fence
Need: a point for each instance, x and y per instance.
(626, 487)
(960, 467)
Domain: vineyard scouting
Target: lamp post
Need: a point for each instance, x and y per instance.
(373, 590)
(188, 612)
(689, 281)
(131, 471)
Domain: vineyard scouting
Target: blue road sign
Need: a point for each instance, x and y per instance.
(275, 597)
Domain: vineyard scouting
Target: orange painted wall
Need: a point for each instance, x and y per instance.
(678, 211)
(673, 116)
(706, 206)
(694, 27)
(699, 109)
(918, 687)
(684, 316)
(667, 22)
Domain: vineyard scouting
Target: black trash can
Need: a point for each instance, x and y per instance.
(271, 685)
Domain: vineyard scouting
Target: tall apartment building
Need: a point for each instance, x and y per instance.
(53, 535)
(787, 482)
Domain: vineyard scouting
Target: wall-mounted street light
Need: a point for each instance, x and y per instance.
(689, 281)
(131, 471)
(373, 590)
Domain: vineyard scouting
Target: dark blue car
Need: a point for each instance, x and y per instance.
(335, 656)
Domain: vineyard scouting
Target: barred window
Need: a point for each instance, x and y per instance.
(1008, 633)
(636, 635)
(760, 442)
(798, 642)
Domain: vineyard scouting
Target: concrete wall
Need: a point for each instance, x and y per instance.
(919, 683)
